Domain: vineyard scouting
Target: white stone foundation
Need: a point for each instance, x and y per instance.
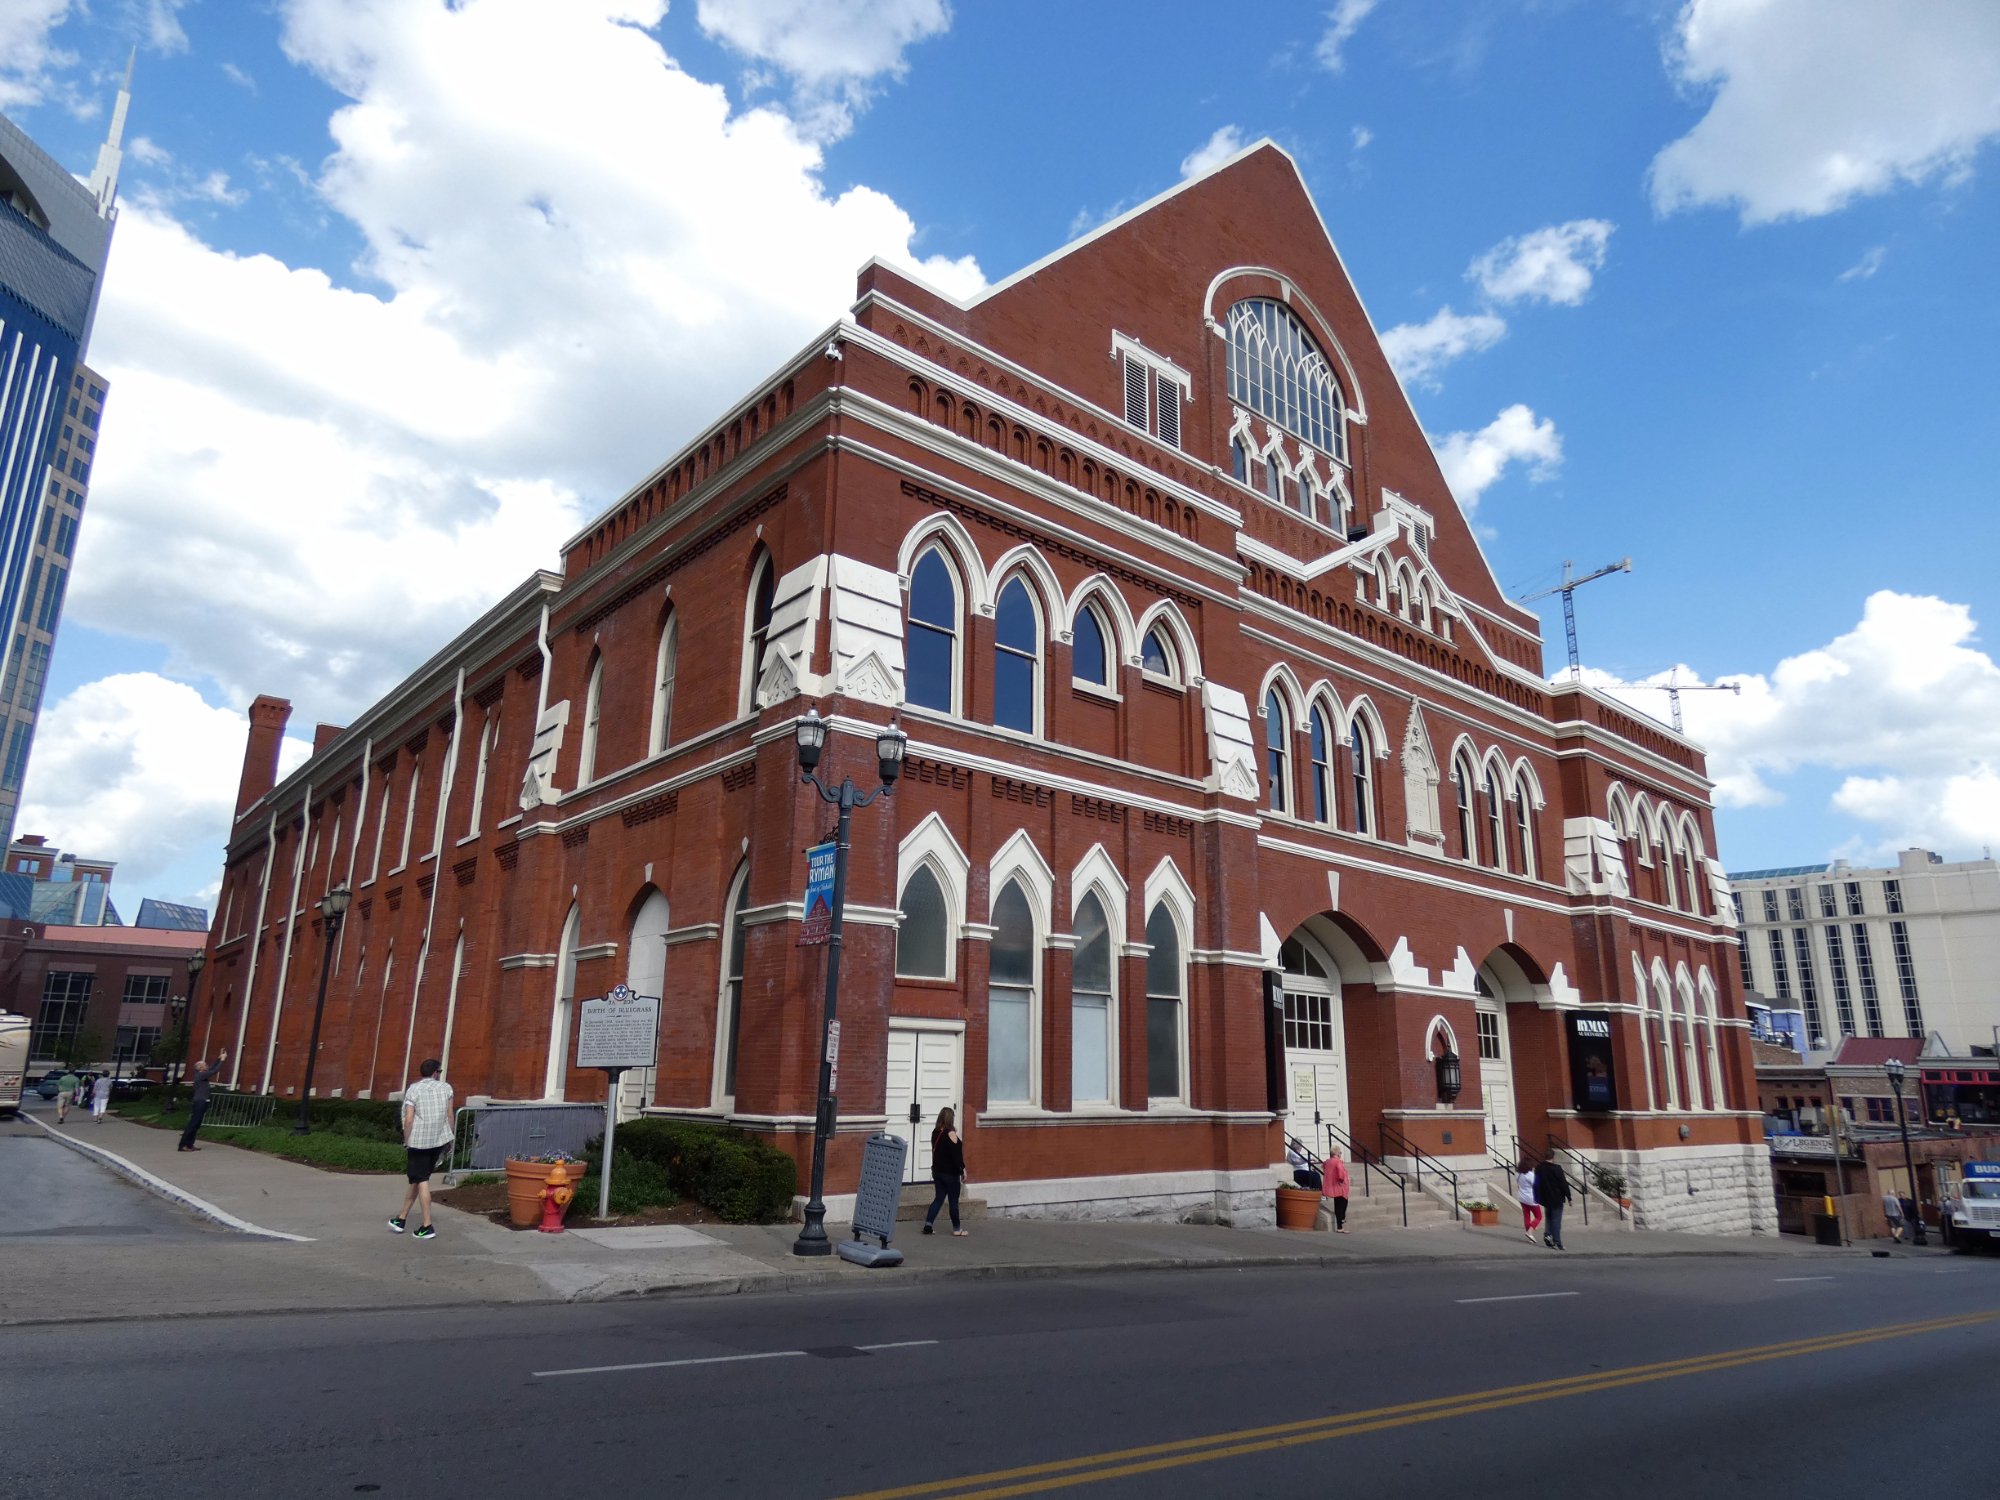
(1245, 1200)
(1699, 1189)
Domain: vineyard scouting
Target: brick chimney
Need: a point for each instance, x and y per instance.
(268, 717)
(326, 734)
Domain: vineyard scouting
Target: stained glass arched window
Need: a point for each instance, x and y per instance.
(1278, 372)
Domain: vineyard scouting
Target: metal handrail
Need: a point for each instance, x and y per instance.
(1406, 1147)
(1370, 1164)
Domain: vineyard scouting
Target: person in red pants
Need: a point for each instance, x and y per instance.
(1531, 1211)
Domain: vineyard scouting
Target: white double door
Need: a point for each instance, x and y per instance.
(926, 1070)
(1496, 1077)
(1315, 1063)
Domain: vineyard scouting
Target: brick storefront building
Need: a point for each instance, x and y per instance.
(1216, 712)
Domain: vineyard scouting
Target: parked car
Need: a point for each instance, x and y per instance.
(129, 1088)
(47, 1087)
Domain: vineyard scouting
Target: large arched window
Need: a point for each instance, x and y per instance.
(1361, 769)
(410, 812)
(557, 1071)
(1166, 998)
(923, 934)
(1277, 753)
(666, 664)
(1468, 827)
(1090, 655)
(1322, 767)
(1278, 372)
(489, 732)
(1663, 1001)
(1524, 826)
(593, 712)
(729, 1018)
(1157, 654)
(931, 679)
(1011, 1000)
(1496, 824)
(1017, 664)
(756, 629)
(1692, 1047)
(1090, 1006)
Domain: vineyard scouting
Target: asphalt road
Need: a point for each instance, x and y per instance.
(51, 1191)
(845, 1392)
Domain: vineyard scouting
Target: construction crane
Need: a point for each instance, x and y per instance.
(1567, 588)
(1673, 687)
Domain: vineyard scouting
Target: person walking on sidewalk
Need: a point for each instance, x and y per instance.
(1552, 1194)
(947, 1170)
(1337, 1186)
(100, 1097)
(202, 1076)
(66, 1087)
(1531, 1211)
(426, 1133)
(1892, 1210)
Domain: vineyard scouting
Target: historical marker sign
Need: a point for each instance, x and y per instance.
(621, 1030)
(818, 924)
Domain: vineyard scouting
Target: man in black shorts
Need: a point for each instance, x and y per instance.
(426, 1137)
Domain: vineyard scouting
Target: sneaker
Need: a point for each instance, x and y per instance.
(929, 1230)
(395, 1226)
(425, 1232)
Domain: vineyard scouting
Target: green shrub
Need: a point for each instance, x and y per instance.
(744, 1180)
(636, 1183)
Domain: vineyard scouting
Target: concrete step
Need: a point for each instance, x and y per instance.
(1385, 1211)
(916, 1202)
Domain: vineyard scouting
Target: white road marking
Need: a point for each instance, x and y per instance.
(904, 1344)
(1522, 1297)
(668, 1364)
(1802, 1278)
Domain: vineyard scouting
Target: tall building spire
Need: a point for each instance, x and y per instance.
(104, 176)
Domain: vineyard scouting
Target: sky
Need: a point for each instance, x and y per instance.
(403, 292)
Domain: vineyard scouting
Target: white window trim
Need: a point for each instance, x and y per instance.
(1039, 691)
(410, 813)
(593, 709)
(555, 1073)
(666, 677)
(732, 907)
(961, 598)
(751, 664)
(1111, 897)
(488, 732)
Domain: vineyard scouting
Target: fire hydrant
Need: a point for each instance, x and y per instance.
(556, 1193)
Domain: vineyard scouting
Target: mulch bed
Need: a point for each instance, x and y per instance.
(489, 1201)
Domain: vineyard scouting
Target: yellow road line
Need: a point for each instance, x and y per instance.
(1053, 1475)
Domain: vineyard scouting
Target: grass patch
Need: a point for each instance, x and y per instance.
(344, 1150)
(479, 1179)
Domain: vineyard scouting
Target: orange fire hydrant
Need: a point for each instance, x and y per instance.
(556, 1193)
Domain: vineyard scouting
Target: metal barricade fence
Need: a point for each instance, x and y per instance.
(484, 1136)
(238, 1111)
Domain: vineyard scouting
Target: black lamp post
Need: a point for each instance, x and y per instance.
(332, 907)
(889, 747)
(1894, 1068)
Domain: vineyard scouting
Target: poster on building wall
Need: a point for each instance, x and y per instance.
(1593, 1075)
(818, 924)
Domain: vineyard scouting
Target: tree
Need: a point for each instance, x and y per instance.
(84, 1047)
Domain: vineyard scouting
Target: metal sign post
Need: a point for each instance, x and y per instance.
(619, 1031)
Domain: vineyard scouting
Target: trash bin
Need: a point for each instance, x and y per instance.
(1826, 1230)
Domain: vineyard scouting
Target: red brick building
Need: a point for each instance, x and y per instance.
(1234, 790)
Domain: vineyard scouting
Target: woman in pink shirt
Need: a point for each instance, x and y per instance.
(1334, 1187)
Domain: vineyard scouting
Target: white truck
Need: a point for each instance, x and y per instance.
(13, 1061)
(1975, 1213)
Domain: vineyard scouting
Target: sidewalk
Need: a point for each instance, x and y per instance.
(304, 1239)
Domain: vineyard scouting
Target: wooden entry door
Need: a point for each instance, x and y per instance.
(926, 1067)
(1315, 1064)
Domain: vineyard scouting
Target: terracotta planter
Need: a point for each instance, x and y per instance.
(525, 1180)
(1298, 1208)
(1483, 1217)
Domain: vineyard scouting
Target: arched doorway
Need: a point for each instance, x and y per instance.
(1500, 982)
(1315, 1041)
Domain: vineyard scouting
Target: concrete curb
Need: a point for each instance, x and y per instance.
(161, 1187)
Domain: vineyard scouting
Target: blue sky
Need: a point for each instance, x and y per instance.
(402, 293)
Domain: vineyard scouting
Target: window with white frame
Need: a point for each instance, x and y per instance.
(381, 828)
(1166, 999)
(1361, 772)
(410, 813)
(1090, 1005)
(488, 733)
(1496, 827)
(730, 1021)
(1524, 826)
(1278, 372)
(1017, 657)
(1321, 738)
(1090, 651)
(666, 666)
(1277, 753)
(1157, 654)
(756, 629)
(593, 711)
(1468, 827)
(1153, 390)
(1013, 981)
(931, 648)
(556, 1074)
(923, 933)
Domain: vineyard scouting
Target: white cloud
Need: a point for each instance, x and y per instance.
(148, 152)
(238, 77)
(160, 21)
(26, 56)
(1868, 265)
(1341, 23)
(1819, 102)
(1905, 704)
(1213, 152)
(1554, 264)
(138, 769)
(1361, 135)
(1474, 461)
(834, 50)
(1420, 350)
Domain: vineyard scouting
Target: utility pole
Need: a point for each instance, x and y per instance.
(1567, 588)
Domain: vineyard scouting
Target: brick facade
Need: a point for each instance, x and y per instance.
(995, 436)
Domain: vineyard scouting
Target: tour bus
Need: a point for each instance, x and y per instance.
(1975, 1217)
(13, 1060)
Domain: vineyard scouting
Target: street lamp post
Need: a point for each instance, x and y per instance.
(332, 907)
(182, 1007)
(1895, 1071)
(889, 747)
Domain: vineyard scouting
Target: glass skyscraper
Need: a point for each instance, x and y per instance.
(55, 233)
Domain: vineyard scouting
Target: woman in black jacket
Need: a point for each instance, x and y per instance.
(947, 1169)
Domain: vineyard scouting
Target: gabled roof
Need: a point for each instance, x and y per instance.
(1874, 1051)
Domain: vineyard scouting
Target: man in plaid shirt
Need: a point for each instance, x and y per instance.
(426, 1134)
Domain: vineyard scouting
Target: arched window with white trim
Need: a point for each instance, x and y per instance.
(729, 1019)
(593, 712)
(489, 732)
(1277, 371)
(1158, 656)
(932, 645)
(1496, 825)
(1690, 1043)
(646, 974)
(1090, 650)
(410, 812)
(1277, 754)
(556, 1073)
(1012, 1000)
(1669, 1065)
(1166, 1007)
(1524, 826)
(1091, 1006)
(923, 931)
(1322, 767)
(1017, 663)
(1462, 780)
(666, 666)
(1712, 1034)
(1361, 772)
(757, 606)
